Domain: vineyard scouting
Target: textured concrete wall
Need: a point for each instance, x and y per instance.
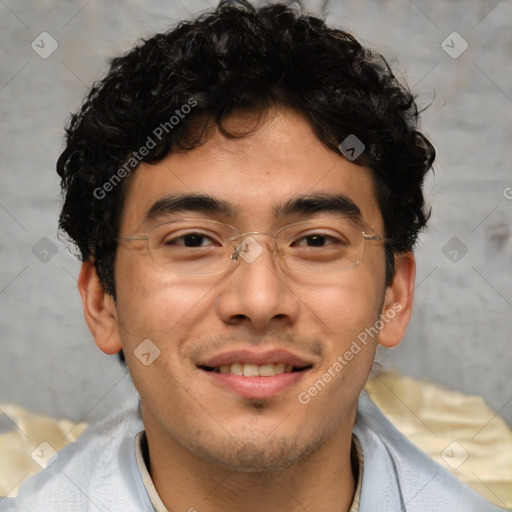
(460, 332)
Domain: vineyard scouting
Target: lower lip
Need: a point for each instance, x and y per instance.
(256, 387)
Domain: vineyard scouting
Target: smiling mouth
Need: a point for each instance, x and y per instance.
(254, 370)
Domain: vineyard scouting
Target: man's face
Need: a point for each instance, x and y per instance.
(256, 311)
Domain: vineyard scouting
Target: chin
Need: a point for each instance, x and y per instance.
(259, 452)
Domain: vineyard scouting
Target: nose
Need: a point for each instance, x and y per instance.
(256, 291)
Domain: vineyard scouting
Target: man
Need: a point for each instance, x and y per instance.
(245, 191)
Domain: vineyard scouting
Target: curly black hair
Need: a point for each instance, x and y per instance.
(233, 58)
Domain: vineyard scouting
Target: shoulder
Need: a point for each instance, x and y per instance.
(405, 476)
(96, 472)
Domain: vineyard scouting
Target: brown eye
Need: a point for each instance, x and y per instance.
(190, 240)
(317, 240)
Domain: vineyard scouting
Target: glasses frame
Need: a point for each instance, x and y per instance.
(239, 238)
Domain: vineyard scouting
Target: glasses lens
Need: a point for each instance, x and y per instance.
(321, 246)
(205, 247)
(195, 247)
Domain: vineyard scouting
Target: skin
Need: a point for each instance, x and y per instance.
(210, 448)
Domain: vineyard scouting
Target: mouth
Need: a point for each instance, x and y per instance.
(255, 370)
(251, 374)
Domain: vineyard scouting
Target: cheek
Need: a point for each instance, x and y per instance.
(160, 311)
(347, 313)
(155, 305)
(167, 313)
(345, 307)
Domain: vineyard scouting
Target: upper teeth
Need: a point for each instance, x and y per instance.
(254, 370)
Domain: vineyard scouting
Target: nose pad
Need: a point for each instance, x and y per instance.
(249, 249)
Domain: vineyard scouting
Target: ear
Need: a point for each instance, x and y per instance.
(397, 309)
(99, 310)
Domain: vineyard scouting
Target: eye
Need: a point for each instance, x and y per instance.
(192, 239)
(318, 240)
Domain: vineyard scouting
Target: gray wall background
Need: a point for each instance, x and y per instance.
(460, 332)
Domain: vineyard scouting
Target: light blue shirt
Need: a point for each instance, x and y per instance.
(99, 473)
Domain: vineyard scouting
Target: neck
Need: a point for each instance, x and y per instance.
(184, 481)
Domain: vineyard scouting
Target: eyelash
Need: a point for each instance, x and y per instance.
(326, 238)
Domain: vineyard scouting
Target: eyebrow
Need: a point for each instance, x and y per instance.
(299, 205)
(315, 203)
(188, 202)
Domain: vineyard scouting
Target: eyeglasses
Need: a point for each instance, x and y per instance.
(206, 247)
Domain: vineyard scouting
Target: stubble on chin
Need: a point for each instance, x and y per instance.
(262, 452)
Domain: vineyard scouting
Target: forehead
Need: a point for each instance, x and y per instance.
(281, 159)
